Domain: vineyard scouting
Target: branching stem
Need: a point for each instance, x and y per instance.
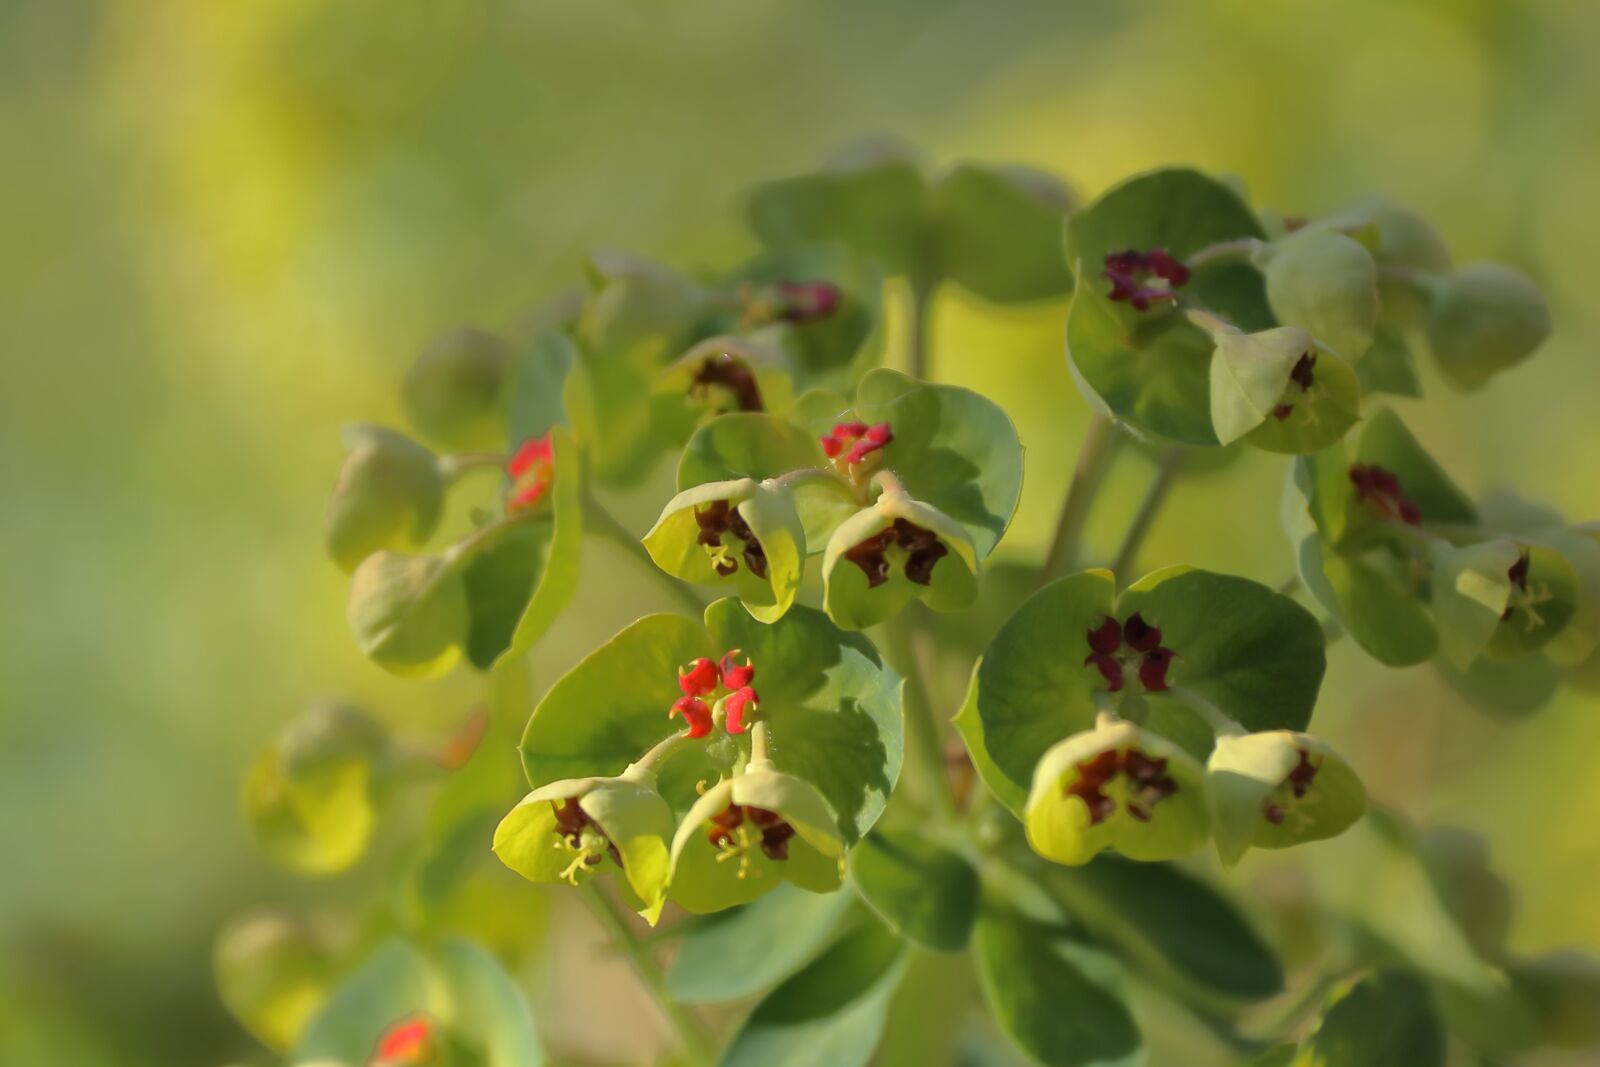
(1100, 444)
(1167, 469)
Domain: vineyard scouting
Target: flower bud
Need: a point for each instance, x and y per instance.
(1277, 789)
(1118, 787)
(740, 533)
(1484, 318)
(389, 495)
(572, 830)
(1324, 282)
(750, 832)
(452, 392)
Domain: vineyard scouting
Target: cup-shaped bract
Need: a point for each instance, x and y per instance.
(1278, 388)
(717, 376)
(750, 832)
(742, 533)
(1326, 282)
(1485, 318)
(409, 614)
(389, 494)
(572, 830)
(1119, 787)
(891, 553)
(452, 393)
(1277, 789)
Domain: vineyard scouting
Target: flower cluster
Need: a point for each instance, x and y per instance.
(703, 678)
(1143, 278)
(851, 444)
(919, 548)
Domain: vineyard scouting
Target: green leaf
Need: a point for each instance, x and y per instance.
(389, 985)
(832, 1013)
(1388, 366)
(1483, 319)
(1249, 374)
(534, 387)
(924, 891)
(1564, 989)
(1150, 368)
(1253, 653)
(1278, 789)
(1027, 694)
(996, 230)
(1383, 617)
(1480, 901)
(1050, 996)
(1471, 589)
(832, 706)
(1277, 1056)
(1386, 1020)
(1386, 442)
(743, 951)
(409, 613)
(390, 494)
(1327, 283)
(830, 349)
(452, 393)
(1515, 687)
(1170, 925)
(272, 971)
(952, 448)
(557, 579)
(484, 1004)
(869, 198)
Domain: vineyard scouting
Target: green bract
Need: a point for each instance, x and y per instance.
(1119, 787)
(1277, 789)
(748, 833)
(623, 821)
(823, 349)
(1234, 649)
(719, 375)
(926, 892)
(1149, 368)
(831, 707)
(1483, 319)
(1324, 282)
(742, 533)
(389, 495)
(272, 971)
(453, 393)
(898, 550)
(996, 230)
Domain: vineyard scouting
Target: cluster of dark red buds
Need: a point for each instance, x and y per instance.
(1150, 784)
(406, 1043)
(1519, 580)
(854, 442)
(775, 833)
(1144, 645)
(1299, 783)
(1303, 377)
(702, 678)
(720, 518)
(922, 547)
(532, 470)
(727, 371)
(572, 821)
(1130, 273)
(803, 302)
(1380, 490)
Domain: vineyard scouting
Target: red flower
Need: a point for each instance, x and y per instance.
(734, 674)
(696, 712)
(802, 302)
(737, 705)
(532, 470)
(1380, 490)
(699, 679)
(1130, 272)
(407, 1042)
(855, 441)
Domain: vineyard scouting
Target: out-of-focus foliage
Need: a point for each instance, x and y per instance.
(229, 226)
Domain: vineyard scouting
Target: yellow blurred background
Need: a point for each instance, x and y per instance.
(228, 227)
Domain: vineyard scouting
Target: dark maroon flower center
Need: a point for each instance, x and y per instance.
(719, 519)
(1148, 784)
(1132, 272)
(1303, 376)
(724, 831)
(1299, 782)
(921, 546)
(572, 821)
(1114, 646)
(726, 371)
(1519, 580)
(803, 302)
(1380, 490)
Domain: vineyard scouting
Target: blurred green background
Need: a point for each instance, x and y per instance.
(229, 226)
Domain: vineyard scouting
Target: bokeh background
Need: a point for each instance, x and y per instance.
(227, 227)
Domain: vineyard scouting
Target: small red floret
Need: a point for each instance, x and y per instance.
(738, 705)
(696, 712)
(855, 441)
(407, 1042)
(736, 675)
(1130, 272)
(699, 678)
(532, 469)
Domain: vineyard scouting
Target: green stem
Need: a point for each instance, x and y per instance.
(1100, 444)
(921, 307)
(1237, 251)
(599, 521)
(453, 467)
(691, 1034)
(1166, 473)
(921, 722)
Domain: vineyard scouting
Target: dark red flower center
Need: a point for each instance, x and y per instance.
(1114, 646)
(1519, 581)
(1298, 781)
(1132, 273)
(921, 548)
(720, 519)
(1302, 375)
(736, 826)
(1148, 784)
(581, 834)
(731, 376)
(1380, 490)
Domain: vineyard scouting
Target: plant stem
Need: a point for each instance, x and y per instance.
(691, 1034)
(921, 307)
(1100, 444)
(599, 521)
(1166, 473)
(921, 722)
(1236, 251)
(454, 466)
